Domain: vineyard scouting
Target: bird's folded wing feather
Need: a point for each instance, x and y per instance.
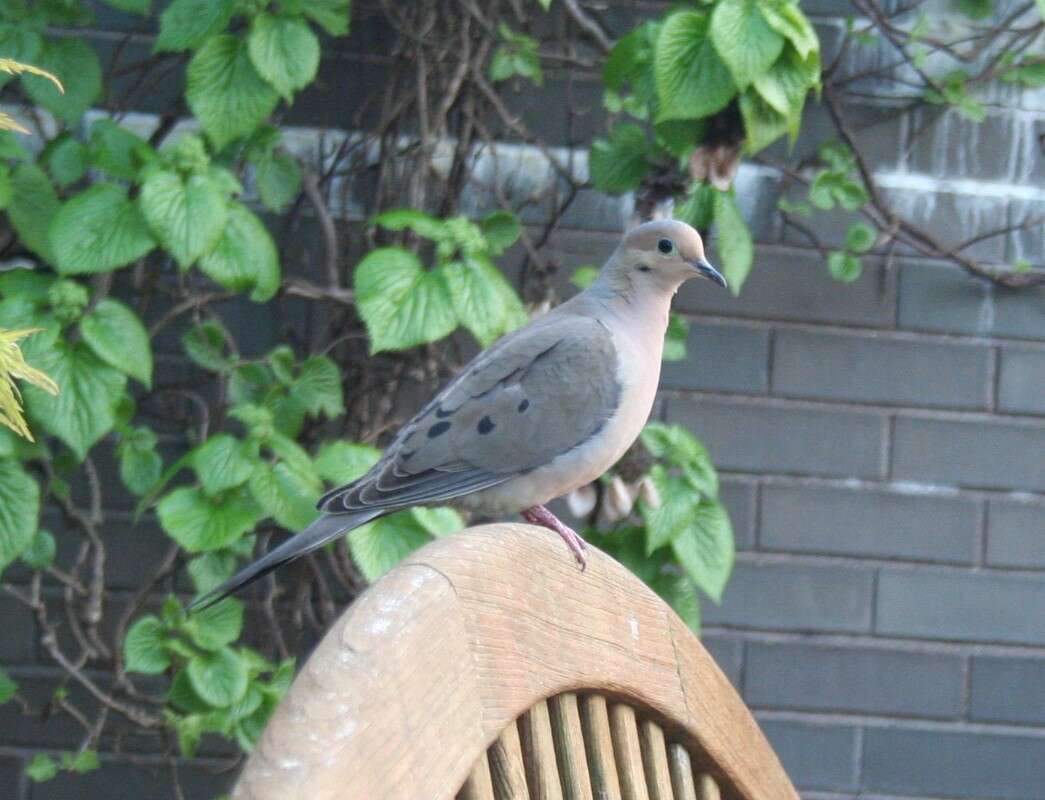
(534, 395)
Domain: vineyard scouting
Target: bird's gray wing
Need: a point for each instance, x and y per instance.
(534, 395)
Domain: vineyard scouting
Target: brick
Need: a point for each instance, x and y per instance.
(38, 728)
(859, 522)
(17, 645)
(119, 780)
(728, 654)
(951, 764)
(794, 597)
(963, 606)
(793, 284)
(1016, 535)
(1021, 381)
(11, 770)
(721, 358)
(993, 455)
(815, 756)
(1027, 240)
(868, 680)
(1008, 690)
(756, 438)
(940, 297)
(738, 498)
(862, 368)
(953, 146)
(952, 218)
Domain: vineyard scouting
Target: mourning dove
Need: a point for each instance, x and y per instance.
(542, 411)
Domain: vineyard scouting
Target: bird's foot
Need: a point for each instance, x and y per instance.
(539, 515)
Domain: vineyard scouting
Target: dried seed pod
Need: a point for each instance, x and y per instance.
(648, 492)
(618, 500)
(582, 500)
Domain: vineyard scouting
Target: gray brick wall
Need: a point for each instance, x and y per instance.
(882, 446)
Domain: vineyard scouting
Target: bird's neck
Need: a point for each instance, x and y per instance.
(612, 296)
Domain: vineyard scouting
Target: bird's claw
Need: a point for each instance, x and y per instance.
(539, 515)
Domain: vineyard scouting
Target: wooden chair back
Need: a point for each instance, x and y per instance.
(488, 667)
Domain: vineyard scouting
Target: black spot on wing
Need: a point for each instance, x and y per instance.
(485, 425)
(441, 413)
(525, 404)
(438, 429)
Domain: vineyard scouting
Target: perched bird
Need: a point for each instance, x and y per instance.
(542, 411)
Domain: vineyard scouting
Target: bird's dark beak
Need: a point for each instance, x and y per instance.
(709, 272)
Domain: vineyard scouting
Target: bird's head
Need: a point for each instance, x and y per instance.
(661, 255)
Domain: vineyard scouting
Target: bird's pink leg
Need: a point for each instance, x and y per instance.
(539, 515)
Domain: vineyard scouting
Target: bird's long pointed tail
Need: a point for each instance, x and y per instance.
(325, 528)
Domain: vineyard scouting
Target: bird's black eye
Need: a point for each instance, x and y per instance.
(666, 246)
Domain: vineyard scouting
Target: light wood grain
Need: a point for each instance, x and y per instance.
(542, 769)
(438, 658)
(507, 767)
(707, 788)
(655, 760)
(681, 773)
(602, 766)
(479, 785)
(569, 747)
(628, 752)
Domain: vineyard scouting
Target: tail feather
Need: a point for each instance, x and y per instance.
(325, 528)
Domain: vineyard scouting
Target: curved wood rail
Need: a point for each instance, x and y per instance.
(430, 665)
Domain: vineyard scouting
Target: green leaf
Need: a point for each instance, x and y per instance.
(223, 462)
(678, 505)
(743, 39)
(19, 42)
(784, 88)
(10, 148)
(860, 237)
(675, 339)
(284, 495)
(401, 304)
(225, 92)
(216, 626)
(245, 257)
(199, 523)
(186, 24)
(501, 229)
(219, 678)
(205, 345)
(41, 768)
(144, 648)
(619, 164)
(32, 208)
(284, 51)
(631, 61)
(140, 464)
(763, 124)
(117, 337)
(844, 267)
(788, 20)
(705, 549)
(734, 244)
(583, 277)
(318, 387)
(116, 150)
(7, 687)
(98, 231)
(66, 160)
(83, 762)
(278, 179)
(210, 570)
(425, 225)
(486, 304)
(517, 56)
(692, 80)
(76, 65)
(187, 215)
(331, 15)
(379, 546)
(674, 444)
(19, 510)
(438, 521)
(88, 390)
(182, 696)
(41, 551)
(343, 462)
(698, 209)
